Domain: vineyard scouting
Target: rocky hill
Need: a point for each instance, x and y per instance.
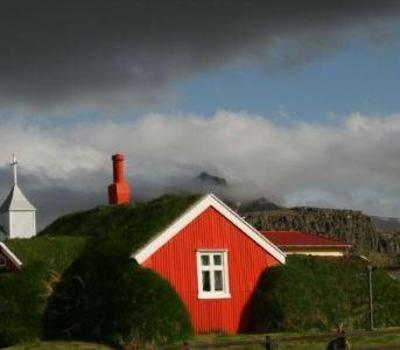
(362, 231)
(212, 180)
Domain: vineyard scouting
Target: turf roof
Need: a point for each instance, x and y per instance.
(56, 252)
(138, 223)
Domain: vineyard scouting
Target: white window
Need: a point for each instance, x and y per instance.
(212, 274)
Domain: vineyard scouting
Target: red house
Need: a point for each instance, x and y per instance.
(214, 259)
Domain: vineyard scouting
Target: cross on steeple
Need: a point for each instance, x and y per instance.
(14, 165)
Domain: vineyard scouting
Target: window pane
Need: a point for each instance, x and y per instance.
(205, 260)
(218, 281)
(206, 281)
(217, 259)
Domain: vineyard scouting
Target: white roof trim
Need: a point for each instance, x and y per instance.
(10, 254)
(209, 200)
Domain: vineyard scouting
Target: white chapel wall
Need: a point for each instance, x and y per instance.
(22, 224)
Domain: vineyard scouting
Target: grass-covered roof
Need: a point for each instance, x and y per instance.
(138, 222)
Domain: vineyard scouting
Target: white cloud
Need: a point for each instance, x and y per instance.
(355, 164)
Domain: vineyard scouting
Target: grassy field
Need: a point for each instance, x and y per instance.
(59, 346)
(385, 339)
(381, 340)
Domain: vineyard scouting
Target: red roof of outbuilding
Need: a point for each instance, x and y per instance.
(301, 239)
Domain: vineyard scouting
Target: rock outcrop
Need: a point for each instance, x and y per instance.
(212, 179)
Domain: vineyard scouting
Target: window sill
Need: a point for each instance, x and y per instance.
(210, 296)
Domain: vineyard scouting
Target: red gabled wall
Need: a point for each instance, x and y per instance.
(176, 261)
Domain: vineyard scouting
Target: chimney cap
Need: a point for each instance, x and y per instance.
(118, 156)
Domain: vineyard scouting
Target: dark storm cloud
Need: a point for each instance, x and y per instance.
(105, 53)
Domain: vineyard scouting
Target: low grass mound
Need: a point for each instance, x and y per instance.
(23, 295)
(311, 293)
(107, 296)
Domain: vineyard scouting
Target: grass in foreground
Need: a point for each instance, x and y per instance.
(59, 346)
(286, 341)
(296, 341)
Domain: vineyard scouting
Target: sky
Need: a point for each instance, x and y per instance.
(294, 101)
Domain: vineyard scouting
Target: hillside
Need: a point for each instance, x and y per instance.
(349, 225)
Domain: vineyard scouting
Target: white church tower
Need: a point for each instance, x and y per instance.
(17, 214)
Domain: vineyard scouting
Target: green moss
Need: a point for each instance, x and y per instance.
(311, 293)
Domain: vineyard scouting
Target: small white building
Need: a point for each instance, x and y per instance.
(17, 214)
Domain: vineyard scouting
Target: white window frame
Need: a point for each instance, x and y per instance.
(225, 293)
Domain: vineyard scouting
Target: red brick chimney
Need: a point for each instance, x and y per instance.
(119, 192)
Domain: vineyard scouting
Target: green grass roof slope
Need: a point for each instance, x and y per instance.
(23, 295)
(139, 222)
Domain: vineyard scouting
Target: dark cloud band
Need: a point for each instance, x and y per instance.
(99, 52)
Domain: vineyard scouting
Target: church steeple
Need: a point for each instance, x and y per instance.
(17, 214)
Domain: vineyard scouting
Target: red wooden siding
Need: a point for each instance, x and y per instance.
(176, 261)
